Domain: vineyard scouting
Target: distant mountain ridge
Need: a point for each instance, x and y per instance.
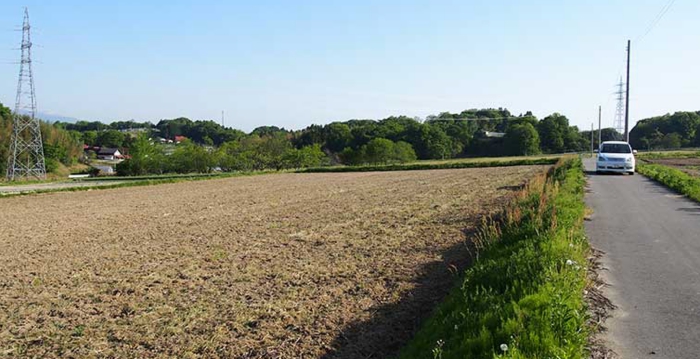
(49, 117)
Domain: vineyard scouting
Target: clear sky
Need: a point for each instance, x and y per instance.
(294, 63)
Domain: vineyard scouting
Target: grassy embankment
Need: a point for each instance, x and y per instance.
(655, 155)
(675, 179)
(434, 165)
(523, 296)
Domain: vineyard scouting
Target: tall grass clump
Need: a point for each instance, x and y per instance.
(675, 179)
(523, 296)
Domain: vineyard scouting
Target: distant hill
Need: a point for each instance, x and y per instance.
(48, 117)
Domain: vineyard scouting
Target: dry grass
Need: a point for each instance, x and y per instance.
(290, 265)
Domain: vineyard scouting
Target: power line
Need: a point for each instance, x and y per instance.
(656, 20)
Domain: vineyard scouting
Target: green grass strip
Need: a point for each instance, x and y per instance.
(675, 179)
(669, 154)
(431, 166)
(523, 295)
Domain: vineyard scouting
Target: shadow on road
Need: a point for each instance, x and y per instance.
(594, 173)
(694, 210)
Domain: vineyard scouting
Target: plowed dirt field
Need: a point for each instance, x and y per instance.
(271, 266)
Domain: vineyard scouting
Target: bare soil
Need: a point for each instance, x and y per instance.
(275, 266)
(677, 162)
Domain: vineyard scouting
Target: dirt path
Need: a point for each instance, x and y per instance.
(288, 265)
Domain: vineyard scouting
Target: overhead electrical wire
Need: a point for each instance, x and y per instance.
(656, 20)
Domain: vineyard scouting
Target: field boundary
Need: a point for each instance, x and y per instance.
(134, 183)
(431, 166)
(523, 297)
(672, 178)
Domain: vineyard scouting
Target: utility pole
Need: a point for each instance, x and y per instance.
(592, 138)
(627, 94)
(222, 118)
(600, 140)
(26, 157)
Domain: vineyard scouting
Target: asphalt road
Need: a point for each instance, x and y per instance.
(651, 237)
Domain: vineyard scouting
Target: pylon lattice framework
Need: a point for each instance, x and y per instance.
(619, 121)
(26, 158)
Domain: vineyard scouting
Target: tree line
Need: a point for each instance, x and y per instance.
(250, 153)
(61, 148)
(681, 129)
(396, 139)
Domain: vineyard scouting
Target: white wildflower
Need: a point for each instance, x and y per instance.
(569, 262)
(504, 347)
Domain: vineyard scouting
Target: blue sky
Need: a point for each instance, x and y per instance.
(294, 63)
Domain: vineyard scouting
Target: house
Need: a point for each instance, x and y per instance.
(490, 134)
(179, 139)
(110, 154)
(104, 170)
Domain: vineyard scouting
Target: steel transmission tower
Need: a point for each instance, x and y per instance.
(26, 158)
(619, 122)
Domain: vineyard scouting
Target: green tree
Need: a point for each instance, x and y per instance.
(671, 141)
(110, 138)
(403, 152)
(434, 143)
(89, 138)
(338, 136)
(272, 148)
(233, 156)
(146, 157)
(552, 130)
(352, 157)
(308, 156)
(379, 151)
(522, 139)
(190, 157)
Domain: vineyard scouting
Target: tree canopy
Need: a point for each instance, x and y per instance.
(681, 129)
